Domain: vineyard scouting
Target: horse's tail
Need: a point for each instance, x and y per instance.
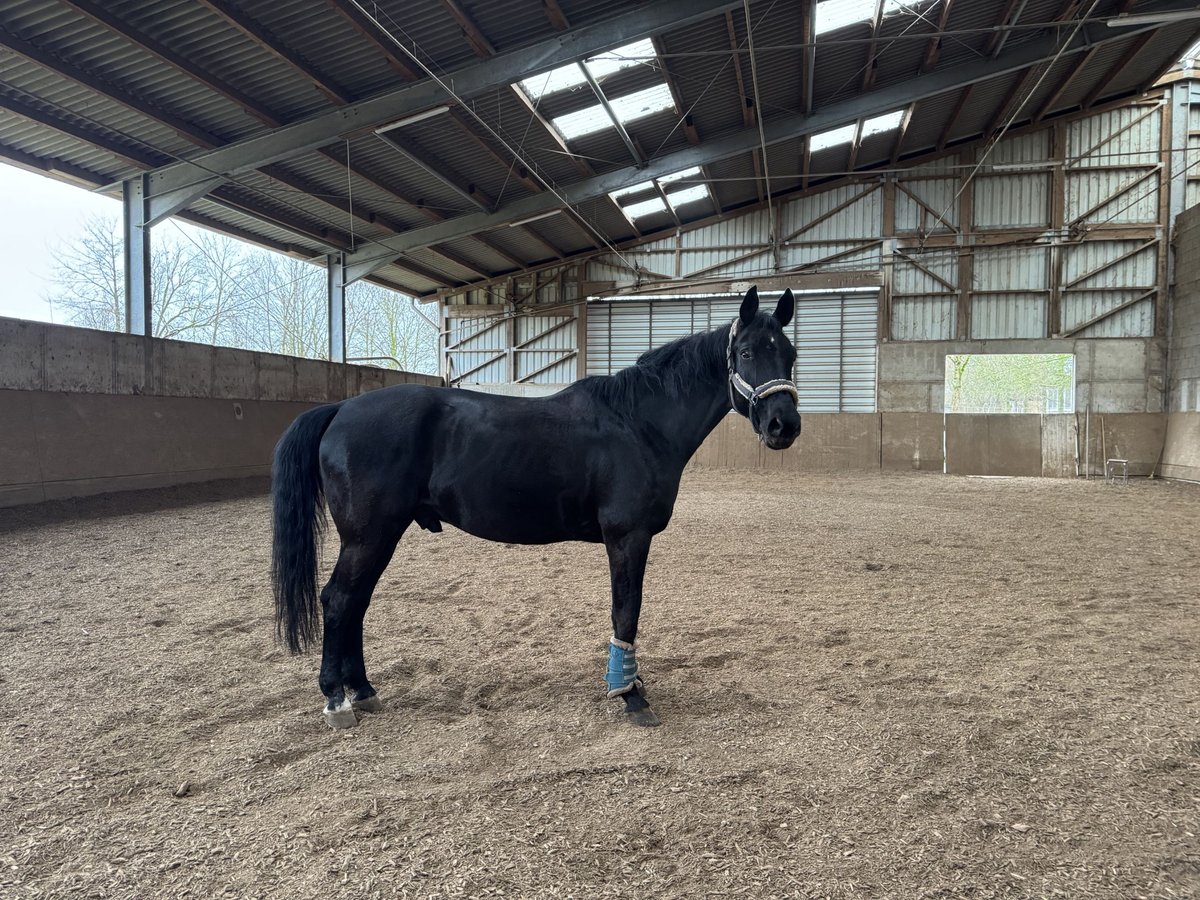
(298, 498)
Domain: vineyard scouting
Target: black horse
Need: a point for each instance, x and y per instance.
(598, 461)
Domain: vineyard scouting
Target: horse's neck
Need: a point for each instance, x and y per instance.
(687, 416)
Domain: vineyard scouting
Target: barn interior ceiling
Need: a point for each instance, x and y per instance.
(441, 143)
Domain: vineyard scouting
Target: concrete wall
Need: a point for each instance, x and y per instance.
(1181, 456)
(1112, 375)
(1026, 445)
(88, 411)
(1122, 380)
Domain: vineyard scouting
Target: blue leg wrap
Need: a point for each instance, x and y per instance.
(622, 675)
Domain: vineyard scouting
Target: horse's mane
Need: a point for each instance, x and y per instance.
(668, 369)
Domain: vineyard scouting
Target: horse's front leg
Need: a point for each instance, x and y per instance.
(627, 554)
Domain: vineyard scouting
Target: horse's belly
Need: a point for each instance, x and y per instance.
(515, 513)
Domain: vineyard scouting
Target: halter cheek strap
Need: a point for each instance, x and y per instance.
(748, 391)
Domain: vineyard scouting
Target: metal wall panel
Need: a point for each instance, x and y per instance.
(545, 352)
(478, 350)
(835, 339)
(939, 212)
(1011, 269)
(995, 316)
(929, 318)
(1012, 200)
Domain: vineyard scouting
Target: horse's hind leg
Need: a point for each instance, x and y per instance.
(344, 604)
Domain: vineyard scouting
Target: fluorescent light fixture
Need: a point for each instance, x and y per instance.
(1153, 18)
(538, 217)
(409, 120)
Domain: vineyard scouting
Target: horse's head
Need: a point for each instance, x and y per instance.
(760, 370)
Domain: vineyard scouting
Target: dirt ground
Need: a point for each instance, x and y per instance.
(871, 686)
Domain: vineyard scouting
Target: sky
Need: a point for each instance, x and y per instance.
(38, 214)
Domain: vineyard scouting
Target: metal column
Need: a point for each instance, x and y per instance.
(335, 267)
(136, 246)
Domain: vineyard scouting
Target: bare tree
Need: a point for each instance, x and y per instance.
(214, 289)
(89, 277)
(384, 325)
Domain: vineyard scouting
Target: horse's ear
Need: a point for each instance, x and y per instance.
(749, 306)
(785, 309)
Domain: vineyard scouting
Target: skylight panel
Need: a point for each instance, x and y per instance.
(581, 122)
(601, 66)
(552, 82)
(642, 103)
(629, 108)
(688, 195)
(880, 124)
(645, 208)
(835, 14)
(832, 138)
(683, 173)
(639, 53)
(632, 189)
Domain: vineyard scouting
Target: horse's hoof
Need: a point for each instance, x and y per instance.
(644, 717)
(341, 716)
(370, 704)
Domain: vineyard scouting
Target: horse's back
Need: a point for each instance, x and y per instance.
(522, 470)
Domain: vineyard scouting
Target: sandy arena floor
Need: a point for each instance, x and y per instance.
(890, 686)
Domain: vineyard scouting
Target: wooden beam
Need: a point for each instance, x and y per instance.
(1116, 68)
(887, 253)
(1058, 204)
(868, 79)
(555, 14)
(747, 103)
(808, 59)
(901, 131)
(934, 48)
(855, 143)
(963, 99)
(1008, 17)
(966, 256)
(479, 43)
(1080, 64)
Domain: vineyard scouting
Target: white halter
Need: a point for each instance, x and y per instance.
(750, 393)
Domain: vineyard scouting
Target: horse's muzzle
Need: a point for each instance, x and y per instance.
(780, 426)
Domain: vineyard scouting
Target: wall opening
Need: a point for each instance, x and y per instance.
(1038, 383)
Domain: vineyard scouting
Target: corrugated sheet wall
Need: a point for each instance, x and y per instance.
(834, 336)
(1101, 266)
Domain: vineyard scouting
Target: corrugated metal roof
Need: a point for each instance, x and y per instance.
(127, 109)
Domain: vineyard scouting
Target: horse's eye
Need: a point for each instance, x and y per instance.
(746, 354)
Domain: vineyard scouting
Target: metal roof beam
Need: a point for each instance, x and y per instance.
(364, 25)
(883, 100)
(497, 71)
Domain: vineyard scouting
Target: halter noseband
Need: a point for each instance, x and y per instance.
(750, 393)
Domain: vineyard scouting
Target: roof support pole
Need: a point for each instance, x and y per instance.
(136, 248)
(335, 269)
